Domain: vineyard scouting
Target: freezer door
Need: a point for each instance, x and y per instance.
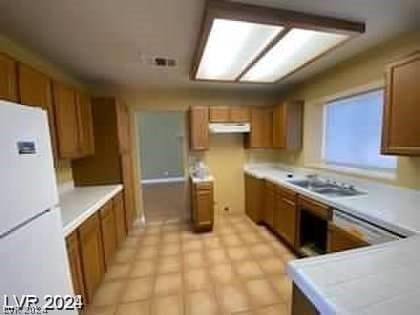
(34, 260)
(28, 183)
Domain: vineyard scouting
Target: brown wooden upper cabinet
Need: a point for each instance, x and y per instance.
(8, 79)
(112, 161)
(229, 114)
(261, 135)
(239, 114)
(67, 121)
(199, 130)
(287, 125)
(35, 90)
(73, 116)
(401, 128)
(85, 125)
(123, 126)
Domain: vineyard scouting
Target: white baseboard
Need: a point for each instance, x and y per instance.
(163, 180)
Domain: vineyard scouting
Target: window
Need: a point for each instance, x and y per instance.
(353, 132)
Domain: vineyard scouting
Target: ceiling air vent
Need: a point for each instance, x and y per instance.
(164, 62)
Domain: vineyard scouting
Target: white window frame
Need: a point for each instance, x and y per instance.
(387, 174)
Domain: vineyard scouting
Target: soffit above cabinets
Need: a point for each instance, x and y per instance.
(254, 44)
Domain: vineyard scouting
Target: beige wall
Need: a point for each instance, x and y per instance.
(227, 154)
(23, 54)
(364, 70)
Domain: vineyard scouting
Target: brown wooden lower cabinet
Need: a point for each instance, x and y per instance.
(285, 214)
(254, 194)
(269, 203)
(340, 239)
(301, 305)
(119, 213)
(91, 249)
(202, 206)
(109, 233)
(75, 264)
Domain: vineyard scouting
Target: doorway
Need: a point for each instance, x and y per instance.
(162, 152)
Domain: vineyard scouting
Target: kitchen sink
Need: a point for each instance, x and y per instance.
(326, 188)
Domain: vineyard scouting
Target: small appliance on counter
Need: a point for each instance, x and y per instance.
(199, 170)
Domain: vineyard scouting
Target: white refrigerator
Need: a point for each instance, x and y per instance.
(33, 258)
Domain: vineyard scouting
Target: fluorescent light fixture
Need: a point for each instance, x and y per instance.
(231, 46)
(298, 47)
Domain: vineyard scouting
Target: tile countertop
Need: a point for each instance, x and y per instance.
(372, 280)
(394, 208)
(81, 202)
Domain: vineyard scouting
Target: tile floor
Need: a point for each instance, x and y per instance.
(239, 268)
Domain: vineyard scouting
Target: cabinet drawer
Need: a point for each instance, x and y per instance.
(203, 186)
(287, 193)
(315, 207)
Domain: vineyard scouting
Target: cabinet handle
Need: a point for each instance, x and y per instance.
(291, 203)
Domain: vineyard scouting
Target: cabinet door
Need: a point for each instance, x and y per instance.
(249, 205)
(261, 135)
(109, 234)
(119, 213)
(86, 138)
(203, 207)
(285, 218)
(269, 204)
(67, 121)
(401, 128)
(199, 131)
(8, 79)
(35, 90)
(239, 114)
(253, 198)
(279, 126)
(92, 254)
(340, 239)
(219, 114)
(124, 128)
(128, 183)
(75, 262)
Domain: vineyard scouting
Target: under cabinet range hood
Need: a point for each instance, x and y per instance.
(229, 127)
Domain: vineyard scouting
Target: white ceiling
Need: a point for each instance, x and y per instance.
(103, 41)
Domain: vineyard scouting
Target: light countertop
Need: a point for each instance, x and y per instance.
(372, 280)
(79, 203)
(205, 179)
(394, 208)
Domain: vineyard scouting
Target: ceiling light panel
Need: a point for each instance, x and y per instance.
(298, 47)
(231, 46)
